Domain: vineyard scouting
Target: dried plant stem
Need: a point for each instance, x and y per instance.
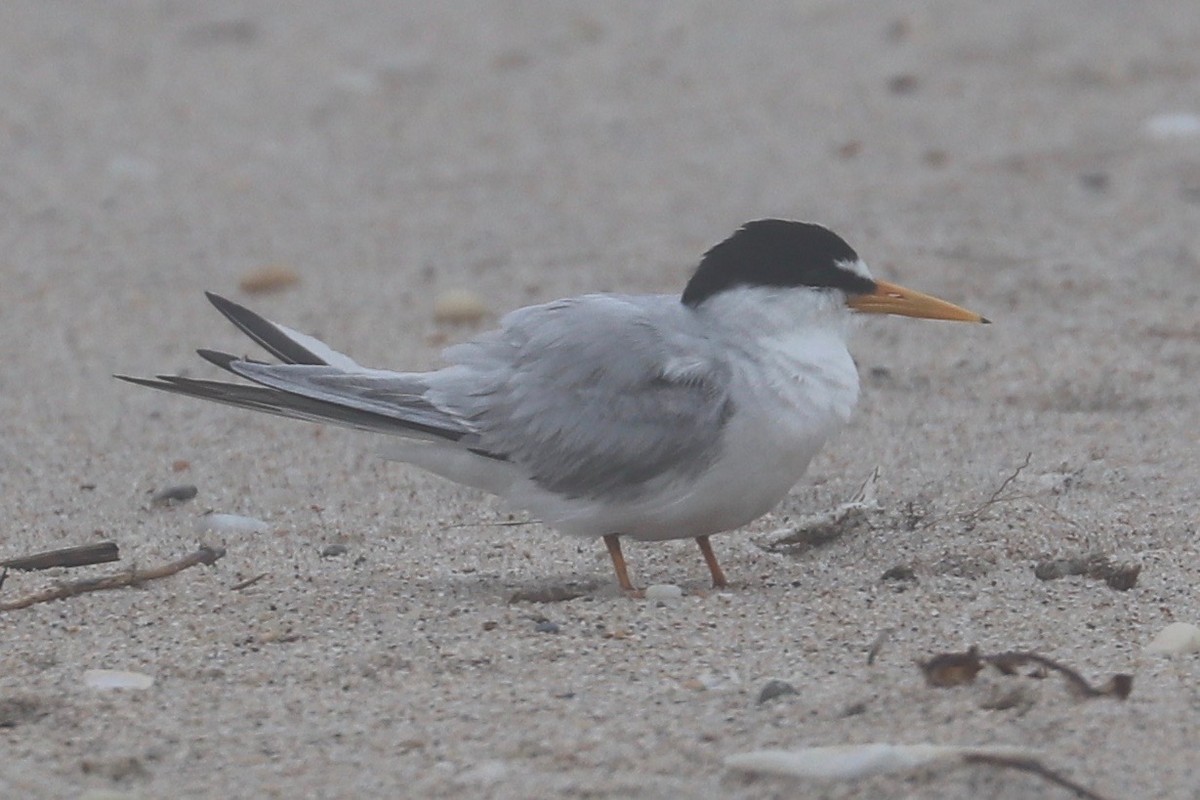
(996, 495)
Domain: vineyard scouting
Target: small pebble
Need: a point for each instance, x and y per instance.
(1177, 638)
(935, 158)
(116, 679)
(459, 306)
(897, 30)
(546, 626)
(174, 495)
(1053, 569)
(850, 149)
(775, 688)
(854, 709)
(664, 593)
(903, 84)
(269, 278)
(334, 550)
(880, 374)
(1007, 696)
(900, 572)
(18, 710)
(230, 523)
(1122, 577)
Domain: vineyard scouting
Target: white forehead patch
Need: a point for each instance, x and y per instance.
(858, 267)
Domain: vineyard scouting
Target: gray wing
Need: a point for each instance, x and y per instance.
(598, 396)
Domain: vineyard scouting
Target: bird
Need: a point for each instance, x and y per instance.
(652, 416)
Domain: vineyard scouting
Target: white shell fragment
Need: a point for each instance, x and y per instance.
(1173, 126)
(459, 306)
(106, 679)
(1177, 638)
(850, 762)
(665, 593)
(230, 523)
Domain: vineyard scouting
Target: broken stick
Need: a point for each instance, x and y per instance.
(81, 556)
(130, 577)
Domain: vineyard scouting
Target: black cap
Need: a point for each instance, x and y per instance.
(776, 252)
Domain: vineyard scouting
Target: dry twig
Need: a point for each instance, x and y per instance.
(852, 762)
(1119, 685)
(81, 556)
(1033, 766)
(130, 577)
(956, 669)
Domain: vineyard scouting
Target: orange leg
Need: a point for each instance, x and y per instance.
(710, 558)
(613, 542)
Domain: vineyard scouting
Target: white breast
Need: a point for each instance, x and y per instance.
(794, 386)
(786, 405)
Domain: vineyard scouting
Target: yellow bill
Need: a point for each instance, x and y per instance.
(890, 298)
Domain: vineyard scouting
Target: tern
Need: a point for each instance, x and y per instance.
(607, 415)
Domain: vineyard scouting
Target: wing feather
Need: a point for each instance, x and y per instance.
(601, 396)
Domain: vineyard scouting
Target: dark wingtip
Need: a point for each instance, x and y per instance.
(222, 360)
(151, 382)
(264, 332)
(223, 304)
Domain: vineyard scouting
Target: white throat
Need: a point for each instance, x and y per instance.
(790, 346)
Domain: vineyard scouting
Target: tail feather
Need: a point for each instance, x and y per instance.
(266, 333)
(317, 384)
(224, 360)
(271, 401)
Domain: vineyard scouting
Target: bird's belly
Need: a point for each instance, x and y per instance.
(756, 468)
(754, 473)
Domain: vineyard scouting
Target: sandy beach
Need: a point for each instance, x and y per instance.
(1037, 162)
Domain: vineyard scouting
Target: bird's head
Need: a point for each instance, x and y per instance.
(777, 253)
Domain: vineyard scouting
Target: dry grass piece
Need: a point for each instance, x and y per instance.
(997, 496)
(246, 584)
